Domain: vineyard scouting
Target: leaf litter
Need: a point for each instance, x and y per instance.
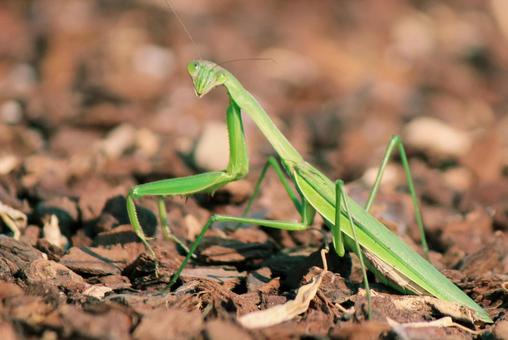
(289, 310)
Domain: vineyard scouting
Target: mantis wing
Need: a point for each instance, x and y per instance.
(380, 242)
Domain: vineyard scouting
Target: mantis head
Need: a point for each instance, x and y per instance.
(205, 76)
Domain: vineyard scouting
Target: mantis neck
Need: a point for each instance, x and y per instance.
(250, 106)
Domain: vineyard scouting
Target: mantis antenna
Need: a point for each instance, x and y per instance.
(172, 8)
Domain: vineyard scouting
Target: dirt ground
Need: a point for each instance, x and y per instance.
(95, 98)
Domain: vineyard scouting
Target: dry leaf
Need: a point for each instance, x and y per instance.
(52, 232)
(14, 219)
(278, 314)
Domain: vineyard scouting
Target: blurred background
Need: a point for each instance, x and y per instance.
(94, 95)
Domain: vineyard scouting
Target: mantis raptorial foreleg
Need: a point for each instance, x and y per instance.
(238, 167)
(338, 241)
(163, 220)
(396, 142)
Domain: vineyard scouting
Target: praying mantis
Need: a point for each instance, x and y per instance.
(352, 226)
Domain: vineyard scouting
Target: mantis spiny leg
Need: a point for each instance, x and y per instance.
(237, 168)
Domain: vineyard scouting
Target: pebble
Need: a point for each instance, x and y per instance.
(118, 140)
(436, 137)
(97, 291)
(211, 151)
(154, 61)
(11, 112)
(459, 179)
(391, 175)
(8, 163)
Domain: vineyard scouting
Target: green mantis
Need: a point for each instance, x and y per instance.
(386, 255)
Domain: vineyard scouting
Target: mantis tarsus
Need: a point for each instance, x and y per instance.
(386, 255)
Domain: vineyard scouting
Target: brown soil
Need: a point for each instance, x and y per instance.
(94, 98)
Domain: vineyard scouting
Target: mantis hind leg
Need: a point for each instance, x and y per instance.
(338, 242)
(238, 167)
(394, 143)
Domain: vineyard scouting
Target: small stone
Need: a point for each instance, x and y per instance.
(459, 179)
(211, 151)
(148, 143)
(437, 137)
(8, 163)
(391, 175)
(118, 141)
(97, 291)
(52, 251)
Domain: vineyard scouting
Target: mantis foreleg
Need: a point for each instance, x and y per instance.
(238, 167)
(396, 142)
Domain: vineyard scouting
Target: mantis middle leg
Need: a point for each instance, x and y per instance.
(284, 225)
(338, 241)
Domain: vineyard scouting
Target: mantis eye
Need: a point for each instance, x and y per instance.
(193, 68)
